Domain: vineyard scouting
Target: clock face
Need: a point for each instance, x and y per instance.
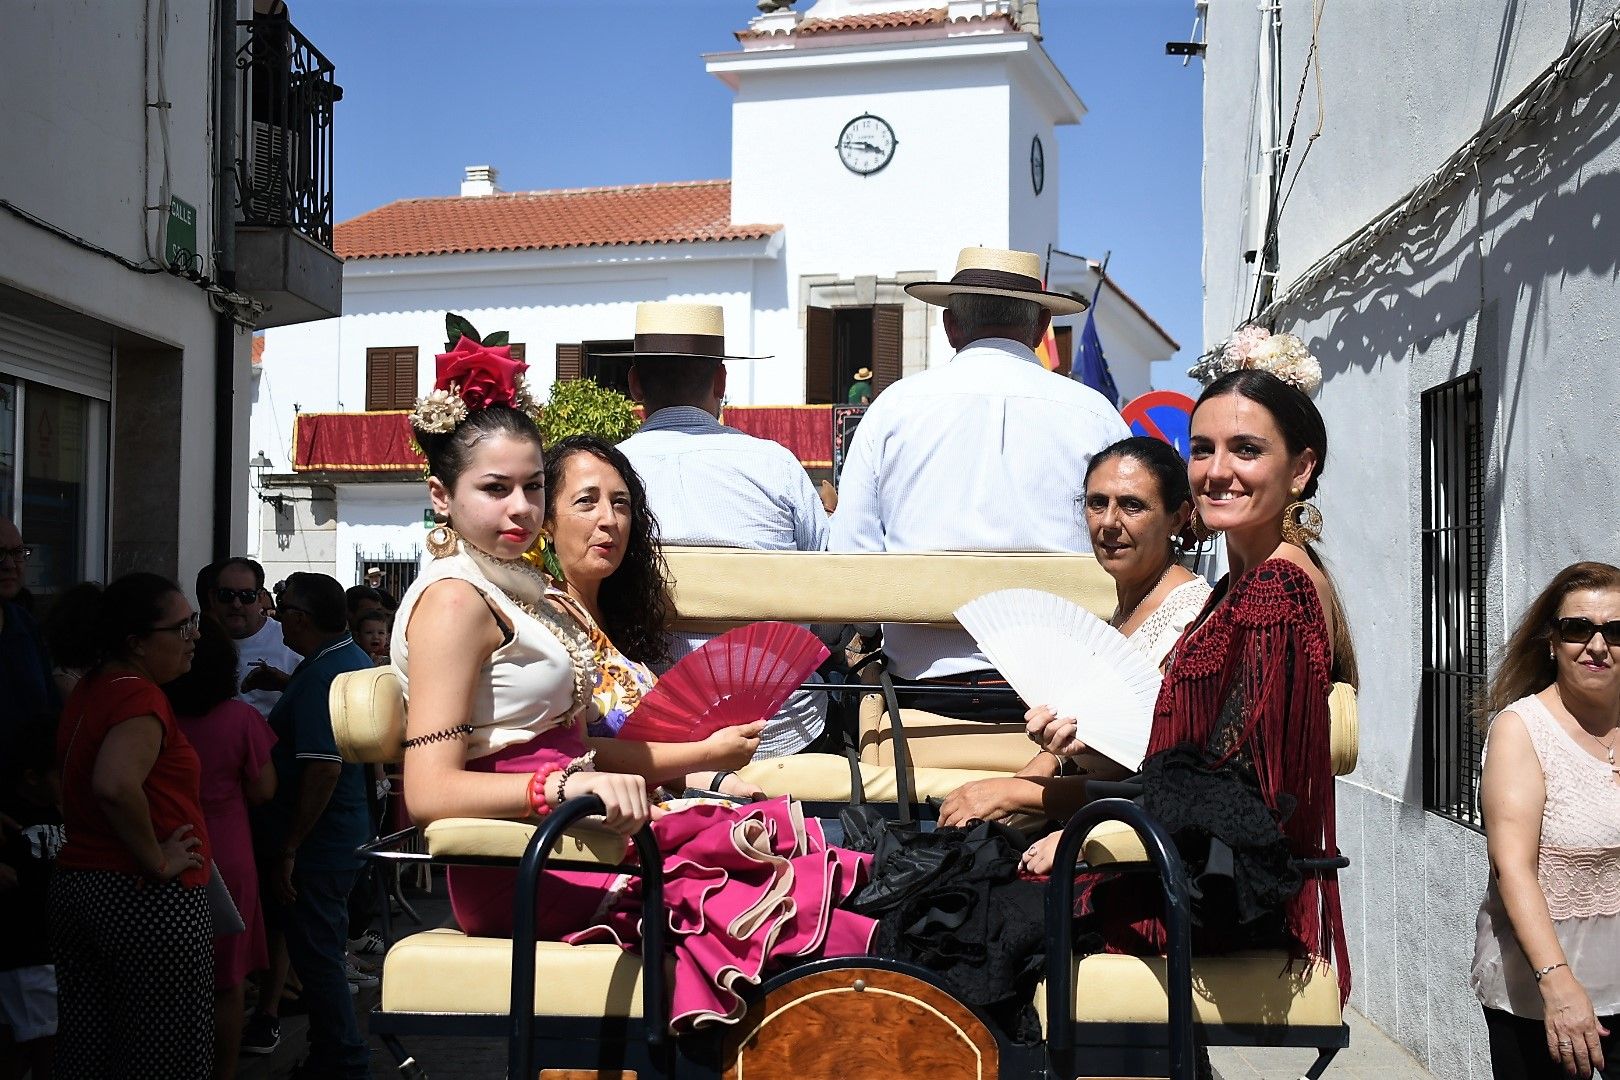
(1037, 164)
(866, 144)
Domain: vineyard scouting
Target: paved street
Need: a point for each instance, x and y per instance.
(1372, 1055)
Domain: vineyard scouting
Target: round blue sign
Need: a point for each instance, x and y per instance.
(1164, 415)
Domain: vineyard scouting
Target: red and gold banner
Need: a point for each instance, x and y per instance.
(806, 430)
(354, 442)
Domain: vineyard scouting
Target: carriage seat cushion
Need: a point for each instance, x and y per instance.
(445, 971)
(493, 838)
(1240, 988)
(825, 778)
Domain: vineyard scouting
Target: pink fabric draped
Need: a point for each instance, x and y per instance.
(747, 890)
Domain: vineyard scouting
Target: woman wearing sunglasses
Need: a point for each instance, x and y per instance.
(130, 926)
(1548, 933)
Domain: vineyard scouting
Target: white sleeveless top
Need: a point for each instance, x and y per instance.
(1161, 630)
(1579, 873)
(538, 680)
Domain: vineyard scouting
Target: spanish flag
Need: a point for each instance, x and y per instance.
(1046, 352)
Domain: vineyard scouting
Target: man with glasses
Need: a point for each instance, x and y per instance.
(231, 591)
(27, 693)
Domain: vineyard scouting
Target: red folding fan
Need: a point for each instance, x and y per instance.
(741, 676)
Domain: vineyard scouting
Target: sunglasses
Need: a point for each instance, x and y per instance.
(241, 596)
(18, 555)
(1579, 631)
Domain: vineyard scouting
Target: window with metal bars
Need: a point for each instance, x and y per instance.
(1454, 653)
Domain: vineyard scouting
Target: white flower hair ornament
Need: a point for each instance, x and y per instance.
(1283, 355)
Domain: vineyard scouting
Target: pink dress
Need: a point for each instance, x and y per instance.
(233, 741)
(747, 890)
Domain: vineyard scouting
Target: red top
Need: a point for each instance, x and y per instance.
(1253, 678)
(173, 787)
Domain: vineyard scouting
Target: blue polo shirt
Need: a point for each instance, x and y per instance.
(302, 721)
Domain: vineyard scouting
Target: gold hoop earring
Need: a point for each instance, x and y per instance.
(1201, 532)
(442, 541)
(1302, 523)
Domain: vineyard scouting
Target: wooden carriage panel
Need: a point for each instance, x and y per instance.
(860, 1022)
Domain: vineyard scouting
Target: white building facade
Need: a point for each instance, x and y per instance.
(130, 276)
(871, 140)
(1461, 295)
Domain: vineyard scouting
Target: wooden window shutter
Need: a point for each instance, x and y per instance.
(819, 357)
(390, 379)
(888, 346)
(517, 352)
(570, 362)
(404, 378)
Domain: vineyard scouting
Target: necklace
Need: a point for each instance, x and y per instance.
(1120, 620)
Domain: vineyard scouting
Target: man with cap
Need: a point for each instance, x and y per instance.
(985, 453)
(712, 485)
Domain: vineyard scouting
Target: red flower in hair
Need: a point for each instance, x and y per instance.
(486, 375)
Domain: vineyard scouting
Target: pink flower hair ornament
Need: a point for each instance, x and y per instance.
(472, 377)
(1283, 355)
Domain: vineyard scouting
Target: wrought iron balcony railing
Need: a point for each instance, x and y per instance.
(284, 175)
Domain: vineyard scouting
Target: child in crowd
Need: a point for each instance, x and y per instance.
(31, 833)
(371, 633)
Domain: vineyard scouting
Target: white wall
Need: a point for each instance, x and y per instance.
(75, 151)
(371, 517)
(1512, 274)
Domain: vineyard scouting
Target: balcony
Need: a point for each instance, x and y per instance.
(284, 251)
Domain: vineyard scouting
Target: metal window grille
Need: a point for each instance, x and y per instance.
(399, 567)
(1454, 660)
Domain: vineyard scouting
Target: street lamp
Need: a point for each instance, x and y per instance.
(259, 463)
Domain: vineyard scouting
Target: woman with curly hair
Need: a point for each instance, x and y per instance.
(500, 671)
(604, 549)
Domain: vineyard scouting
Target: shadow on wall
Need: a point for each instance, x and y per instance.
(1542, 211)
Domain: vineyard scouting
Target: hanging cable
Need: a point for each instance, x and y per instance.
(1528, 107)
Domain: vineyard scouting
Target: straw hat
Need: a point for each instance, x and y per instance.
(864, 375)
(682, 332)
(996, 272)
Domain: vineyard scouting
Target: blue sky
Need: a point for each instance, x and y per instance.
(576, 93)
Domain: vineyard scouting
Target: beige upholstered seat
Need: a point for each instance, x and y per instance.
(445, 971)
(826, 778)
(942, 742)
(1239, 988)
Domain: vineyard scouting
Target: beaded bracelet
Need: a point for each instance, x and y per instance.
(584, 763)
(537, 788)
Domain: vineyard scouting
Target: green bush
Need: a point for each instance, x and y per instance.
(580, 407)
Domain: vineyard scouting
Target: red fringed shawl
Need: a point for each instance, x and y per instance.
(1253, 679)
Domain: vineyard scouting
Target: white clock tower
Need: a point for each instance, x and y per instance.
(883, 136)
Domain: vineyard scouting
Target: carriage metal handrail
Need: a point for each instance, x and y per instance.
(1166, 860)
(536, 856)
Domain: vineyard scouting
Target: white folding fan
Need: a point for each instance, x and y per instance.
(1057, 653)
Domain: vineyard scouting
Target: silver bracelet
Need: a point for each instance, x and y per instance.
(1540, 972)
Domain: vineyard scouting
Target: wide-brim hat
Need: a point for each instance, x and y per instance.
(864, 375)
(666, 330)
(997, 272)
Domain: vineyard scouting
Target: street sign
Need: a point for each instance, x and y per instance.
(1162, 414)
(180, 235)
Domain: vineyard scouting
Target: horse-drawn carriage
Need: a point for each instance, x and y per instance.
(595, 1010)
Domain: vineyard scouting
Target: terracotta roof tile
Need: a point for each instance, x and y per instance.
(886, 20)
(686, 212)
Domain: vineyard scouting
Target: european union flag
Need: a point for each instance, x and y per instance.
(1092, 368)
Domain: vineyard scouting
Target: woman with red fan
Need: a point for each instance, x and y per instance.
(601, 546)
(498, 674)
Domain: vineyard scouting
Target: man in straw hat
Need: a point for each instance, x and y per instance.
(860, 391)
(713, 485)
(985, 453)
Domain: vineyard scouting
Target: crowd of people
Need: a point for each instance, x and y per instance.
(177, 823)
(179, 816)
